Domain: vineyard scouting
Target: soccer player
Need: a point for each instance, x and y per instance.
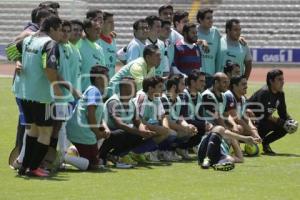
(165, 13)
(187, 55)
(231, 50)
(91, 53)
(212, 36)
(164, 34)
(180, 19)
(33, 86)
(236, 107)
(232, 70)
(69, 73)
(86, 125)
(52, 5)
(154, 29)
(125, 126)
(75, 56)
(108, 43)
(214, 111)
(76, 33)
(214, 149)
(214, 101)
(139, 69)
(191, 111)
(136, 46)
(172, 105)
(38, 15)
(267, 100)
(151, 112)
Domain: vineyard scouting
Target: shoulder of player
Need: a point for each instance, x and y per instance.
(207, 97)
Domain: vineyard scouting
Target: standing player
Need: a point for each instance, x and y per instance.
(108, 43)
(136, 46)
(165, 13)
(163, 36)
(211, 34)
(267, 100)
(51, 5)
(180, 19)
(187, 55)
(38, 15)
(76, 33)
(91, 53)
(154, 29)
(231, 50)
(33, 85)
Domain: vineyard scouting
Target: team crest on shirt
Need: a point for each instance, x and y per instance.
(53, 58)
(277, 103)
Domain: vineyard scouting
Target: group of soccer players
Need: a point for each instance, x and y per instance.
(182, 88)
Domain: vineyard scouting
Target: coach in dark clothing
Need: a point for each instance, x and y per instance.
(271, 98)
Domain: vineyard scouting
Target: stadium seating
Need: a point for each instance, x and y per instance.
(15, 14)
(269, 23)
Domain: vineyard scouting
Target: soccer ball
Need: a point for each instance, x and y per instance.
(72, 151)
(252, 149)
(290, 126)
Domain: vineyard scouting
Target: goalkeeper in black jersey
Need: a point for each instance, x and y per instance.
(264, 103)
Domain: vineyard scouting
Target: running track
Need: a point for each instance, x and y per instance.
(258, 74)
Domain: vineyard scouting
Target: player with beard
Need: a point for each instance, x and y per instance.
(187, 54)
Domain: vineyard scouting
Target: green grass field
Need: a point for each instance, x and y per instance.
(263, 177)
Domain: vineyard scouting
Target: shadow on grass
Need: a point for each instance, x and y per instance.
(62, 175)
(71, 170)
(50, 178)
(287, 155)
(149, 165)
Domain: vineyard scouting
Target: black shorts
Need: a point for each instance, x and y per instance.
(37, 113)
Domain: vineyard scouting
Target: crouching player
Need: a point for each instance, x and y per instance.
(151, 112)
(86, 127)
(264, 103)
(172, 105)
(125, 126)
(236, 107)
(214, 107)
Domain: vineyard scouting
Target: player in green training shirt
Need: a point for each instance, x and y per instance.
(91, 53)
(206, 31)
(155, 26)
(108, 43)
(231, 50)
(138, 69)
(40, 56)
